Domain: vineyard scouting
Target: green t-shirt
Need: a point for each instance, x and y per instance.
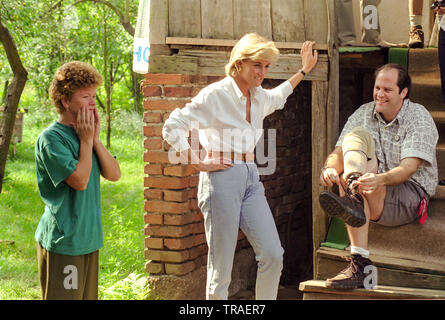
(71, 223)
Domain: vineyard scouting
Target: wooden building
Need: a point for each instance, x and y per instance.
(190, 42)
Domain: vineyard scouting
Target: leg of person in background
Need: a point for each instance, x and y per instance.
(371, 24)
(345, 23)
(416, 35)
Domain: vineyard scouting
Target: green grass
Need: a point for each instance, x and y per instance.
(121, 273)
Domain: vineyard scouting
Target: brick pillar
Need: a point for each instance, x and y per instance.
(175, 244)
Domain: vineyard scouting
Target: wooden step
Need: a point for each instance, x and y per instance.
(440, 157)
(316, 290)
(427, 92)
(392, 271)
(414, 241)
(440, 194)
(423, 61)
(438, 116)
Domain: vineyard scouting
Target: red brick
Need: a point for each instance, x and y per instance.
(179, 269)
(194, 193)
(164, 104)
(153, 169)
(152, 117)
(194, 204)
(153, 143)
(166, 182)
(194, 181)
(180, 171)
(179, 220)
(165, 116)
(198, 251)
(164, 78)
(153, 219)
(178, 92)
(166, 256)
(150, 91)
(168, 231)
(196, 228)
(200, 239)
(200, 261)
(177, 196)
(156, 157)
(154, 194)
(167, 207)
(180, 244)
(153, 131)
(154, 243)
(154, 268)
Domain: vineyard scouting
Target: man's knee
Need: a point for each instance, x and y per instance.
(359, 139)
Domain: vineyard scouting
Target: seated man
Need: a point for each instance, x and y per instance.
(387, 154)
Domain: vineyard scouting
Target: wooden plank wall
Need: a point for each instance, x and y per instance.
(277, 20)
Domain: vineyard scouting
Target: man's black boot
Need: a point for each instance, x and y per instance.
(353, 276)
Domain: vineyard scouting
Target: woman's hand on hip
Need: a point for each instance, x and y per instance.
(210, 165)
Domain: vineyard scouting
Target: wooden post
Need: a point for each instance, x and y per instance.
(319, 154)
(325, 127)
(334, 71)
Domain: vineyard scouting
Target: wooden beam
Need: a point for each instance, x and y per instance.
(208, 63)
(231, 43)
(173, 64)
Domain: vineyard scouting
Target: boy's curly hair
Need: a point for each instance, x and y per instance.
(70, 77)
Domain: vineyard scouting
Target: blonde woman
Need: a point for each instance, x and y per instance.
(230, 195)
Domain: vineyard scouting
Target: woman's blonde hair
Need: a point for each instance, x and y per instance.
(254, 47)
(70, 77)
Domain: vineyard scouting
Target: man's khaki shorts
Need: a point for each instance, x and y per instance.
(401, 204)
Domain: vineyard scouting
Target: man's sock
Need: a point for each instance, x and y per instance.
(357, 250)
(415, 20)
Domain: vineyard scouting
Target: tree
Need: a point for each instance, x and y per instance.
(12, 99)
(124, 17)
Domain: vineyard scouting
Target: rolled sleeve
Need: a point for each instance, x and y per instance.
(175, 131)
(421, 143)
(197, 114)
(277, 97)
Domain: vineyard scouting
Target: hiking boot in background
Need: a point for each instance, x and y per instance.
(416, 37)
(353, 276)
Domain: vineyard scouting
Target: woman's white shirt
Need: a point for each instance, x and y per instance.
(219, 113)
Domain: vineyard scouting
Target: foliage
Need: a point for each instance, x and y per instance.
(121, 274)
(49, 33)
